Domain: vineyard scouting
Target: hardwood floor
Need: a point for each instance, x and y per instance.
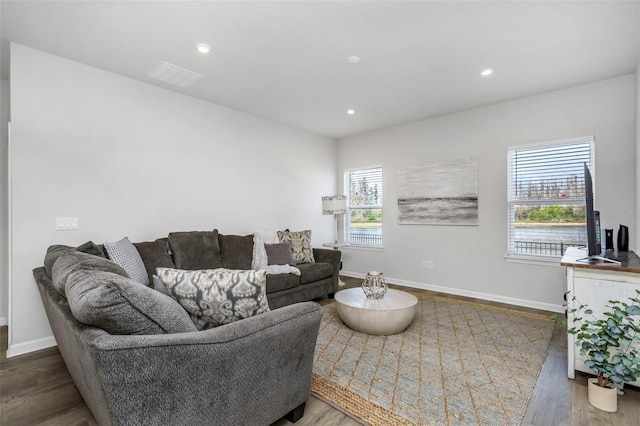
(36, 389)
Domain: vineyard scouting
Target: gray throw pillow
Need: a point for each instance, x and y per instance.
(125, 254)
(217, 296)
(280, 254)
(120, 305)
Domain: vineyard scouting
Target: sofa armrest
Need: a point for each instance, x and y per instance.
(334, 258)
(252, 371)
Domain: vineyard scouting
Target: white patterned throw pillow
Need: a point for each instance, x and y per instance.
(215, 297)
(125, 254)
(301, 243)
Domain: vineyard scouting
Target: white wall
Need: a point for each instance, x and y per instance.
(131, 159)
(4, 241)
(470, 259)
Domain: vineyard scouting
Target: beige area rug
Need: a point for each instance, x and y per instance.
(458, 363)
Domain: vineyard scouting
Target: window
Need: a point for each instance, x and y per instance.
(546, 197)
(363, 221)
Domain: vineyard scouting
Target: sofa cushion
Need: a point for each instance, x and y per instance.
(155, 254)
(279, 282)
(125, 254)
(54, 252)
(195, 250)
(301, 243)
(217, 296)
(279, 254)
(92, 248)
(120, 305)
(310, 272)
(70, 260)
(236, 251)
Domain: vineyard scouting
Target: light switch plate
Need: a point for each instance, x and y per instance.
(66, 223)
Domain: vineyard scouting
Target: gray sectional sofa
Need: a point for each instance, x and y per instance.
(138, 358)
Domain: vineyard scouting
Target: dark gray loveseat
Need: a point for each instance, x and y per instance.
(249, 372)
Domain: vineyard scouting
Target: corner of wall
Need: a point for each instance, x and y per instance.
(637, 233)
(4, 202)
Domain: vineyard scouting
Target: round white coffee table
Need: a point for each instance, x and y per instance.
(389, 315)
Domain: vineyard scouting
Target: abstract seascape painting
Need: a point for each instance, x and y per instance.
(442, 193)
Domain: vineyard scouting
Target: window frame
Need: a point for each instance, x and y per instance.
(512, 254)
(347, 217)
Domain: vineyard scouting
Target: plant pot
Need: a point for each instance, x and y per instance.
(605, 399)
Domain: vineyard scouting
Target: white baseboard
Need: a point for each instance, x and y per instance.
(3, 321)
(467, 293)
(31, 346)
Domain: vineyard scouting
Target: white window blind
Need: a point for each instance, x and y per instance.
(363, 221)
(546, 198)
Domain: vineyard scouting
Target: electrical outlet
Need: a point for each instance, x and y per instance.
(66, 223)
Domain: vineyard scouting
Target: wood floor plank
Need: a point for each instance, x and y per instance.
(36, 389)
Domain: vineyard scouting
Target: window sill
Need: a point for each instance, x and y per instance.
(363, 247)
(533, 260)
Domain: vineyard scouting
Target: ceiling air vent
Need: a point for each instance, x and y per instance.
(173, 74)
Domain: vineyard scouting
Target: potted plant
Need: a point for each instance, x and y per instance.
(610, 343)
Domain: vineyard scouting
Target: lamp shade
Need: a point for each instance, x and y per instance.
(334, 204)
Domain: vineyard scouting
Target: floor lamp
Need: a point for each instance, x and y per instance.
(335, 205)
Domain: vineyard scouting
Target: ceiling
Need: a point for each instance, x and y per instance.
(287, 60)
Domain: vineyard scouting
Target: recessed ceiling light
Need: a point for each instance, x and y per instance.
(203, 48)
(351, 111)
(486, 72)
(353, 59)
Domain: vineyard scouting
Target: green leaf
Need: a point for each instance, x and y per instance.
(615, 331)
(599, 357)
(621, 370)
(633, 310)
(616, 379)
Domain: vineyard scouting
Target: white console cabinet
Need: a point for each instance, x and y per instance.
(594, 284)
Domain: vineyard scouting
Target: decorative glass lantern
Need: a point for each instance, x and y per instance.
(373, 285)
